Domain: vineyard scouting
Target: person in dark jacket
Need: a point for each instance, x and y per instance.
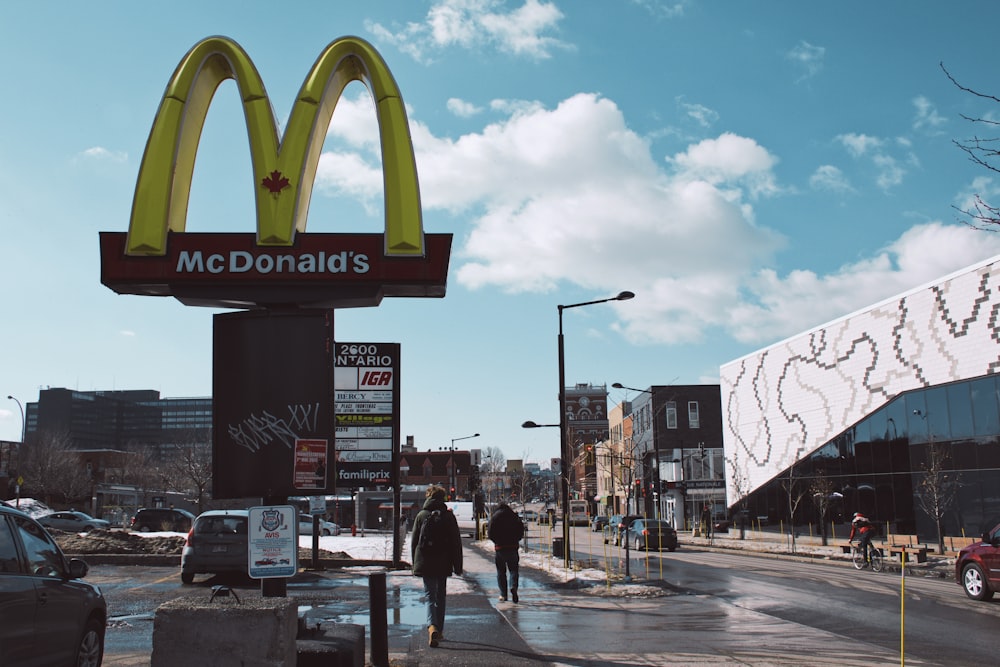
(506, 529)
(437, 565)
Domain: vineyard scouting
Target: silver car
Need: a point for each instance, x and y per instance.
(73, 522)
(326, 528)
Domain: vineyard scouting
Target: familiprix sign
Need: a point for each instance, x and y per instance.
(157, 257)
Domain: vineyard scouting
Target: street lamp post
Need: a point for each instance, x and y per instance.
(454, 472)
(566, 455)
(17, 482)
(656, 449)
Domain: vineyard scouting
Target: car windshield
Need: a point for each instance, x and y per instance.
(655, 525)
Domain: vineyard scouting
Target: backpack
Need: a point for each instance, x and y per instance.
(433, 534)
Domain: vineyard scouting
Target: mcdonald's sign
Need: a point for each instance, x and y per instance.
(281, 265)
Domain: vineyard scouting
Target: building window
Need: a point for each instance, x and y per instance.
(670, 412)
(693, 420)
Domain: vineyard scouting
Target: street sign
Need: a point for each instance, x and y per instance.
(273, 548)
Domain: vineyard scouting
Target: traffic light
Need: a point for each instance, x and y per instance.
(590, 455)
(452, 497)
(638, 488)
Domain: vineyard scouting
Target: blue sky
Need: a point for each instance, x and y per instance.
(750, 170)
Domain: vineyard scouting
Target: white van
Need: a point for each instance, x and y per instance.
(465, 514)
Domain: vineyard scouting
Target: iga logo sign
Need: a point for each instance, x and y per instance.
(377, 378)
(158, 258)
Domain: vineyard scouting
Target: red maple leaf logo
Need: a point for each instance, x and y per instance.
(275, 182)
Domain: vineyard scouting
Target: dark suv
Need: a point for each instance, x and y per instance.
(50, 617)
(977, 568)
(156, 519)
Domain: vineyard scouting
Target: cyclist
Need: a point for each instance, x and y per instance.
(864, 529)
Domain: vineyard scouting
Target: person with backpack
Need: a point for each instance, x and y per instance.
(506, 529)
(865, 530)
(436, 553)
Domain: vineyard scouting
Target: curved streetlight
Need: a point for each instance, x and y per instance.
(656, 450)
(454, 471)
(564, 447)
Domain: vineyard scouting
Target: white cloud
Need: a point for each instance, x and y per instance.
(463, 109)
(927, 117)
(809, 57)
(700, 113)
(573, 195)
(101, 153)
(888, 170)
(830, 178)
(470, 24)
(127, 333)
(801, 300)
(859, 144)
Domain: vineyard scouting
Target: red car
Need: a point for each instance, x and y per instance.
(977, 568)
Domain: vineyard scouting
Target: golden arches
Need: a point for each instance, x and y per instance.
(283, 172)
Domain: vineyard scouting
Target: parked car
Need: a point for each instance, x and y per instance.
(617, 525)
(217, 544)
(977, 568)
(648, 534)
(326, 528)
(156, 519)
(529, 515)
(599, 523)
(548, 517)
(50, 616)
(73, 522)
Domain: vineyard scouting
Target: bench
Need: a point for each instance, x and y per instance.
(845, 546)
(905, 546)
(952, 545)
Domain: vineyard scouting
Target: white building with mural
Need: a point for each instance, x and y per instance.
(860, 400)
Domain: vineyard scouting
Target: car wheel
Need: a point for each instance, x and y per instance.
(143, 528)
(974, 583)
(671, 549)
(638, 544)
(91, 650)
(326, 532)
(187, 577)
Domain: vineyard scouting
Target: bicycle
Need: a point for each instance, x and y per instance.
(874, 555)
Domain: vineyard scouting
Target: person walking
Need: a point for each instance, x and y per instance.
(506, 529)
(436, 553)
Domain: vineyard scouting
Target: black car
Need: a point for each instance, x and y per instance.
(50, 617)
(599, 523)
(157, 519)
(647, 534)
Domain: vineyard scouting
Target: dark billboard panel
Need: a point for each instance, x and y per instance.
(272, 387)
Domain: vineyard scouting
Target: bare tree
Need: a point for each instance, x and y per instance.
(52, 469)
(740, 482)
(822, 489)
(938, 488)
(796, 489)
(985, 152)
(187, 468)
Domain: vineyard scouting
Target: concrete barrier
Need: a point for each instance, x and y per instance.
(196, 632)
